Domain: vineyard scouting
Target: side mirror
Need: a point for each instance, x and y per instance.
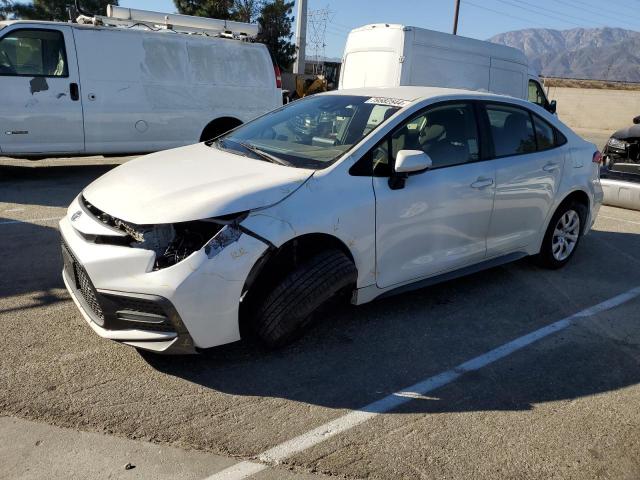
(637, 120)
(552, 107)
(408, 161)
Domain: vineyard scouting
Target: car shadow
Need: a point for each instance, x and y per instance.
(357, 355)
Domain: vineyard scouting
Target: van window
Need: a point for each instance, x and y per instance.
(511, 130)
(33, 53)
(447, 133)
(536, 94)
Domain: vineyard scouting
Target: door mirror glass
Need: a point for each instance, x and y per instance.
(552, 107)
(409, 161)
(637, 120)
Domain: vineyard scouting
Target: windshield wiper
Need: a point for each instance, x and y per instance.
(261, 153)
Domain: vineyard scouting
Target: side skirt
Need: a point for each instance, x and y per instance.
(372, 292)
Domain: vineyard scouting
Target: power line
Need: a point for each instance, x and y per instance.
(580, 19)
(538, 13)
(593, 9)
(525, 20)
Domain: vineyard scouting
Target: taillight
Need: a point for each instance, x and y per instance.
(597, 157)
(276, 70)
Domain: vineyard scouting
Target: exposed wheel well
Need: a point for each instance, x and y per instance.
(276, 263)
(219, 126)
(578, 196)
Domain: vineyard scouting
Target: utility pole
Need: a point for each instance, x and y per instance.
(301, 36)
(455, 18)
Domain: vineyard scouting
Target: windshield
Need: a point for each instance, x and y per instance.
(310, 133)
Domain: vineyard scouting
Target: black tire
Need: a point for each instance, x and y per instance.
(288, 309)
(545, 258)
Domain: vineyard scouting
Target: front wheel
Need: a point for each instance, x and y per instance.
(285, 312)
(563, 235)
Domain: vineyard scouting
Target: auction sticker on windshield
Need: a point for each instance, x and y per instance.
(394, 102)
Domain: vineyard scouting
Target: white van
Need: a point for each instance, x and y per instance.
(387, 55)
(72, 89)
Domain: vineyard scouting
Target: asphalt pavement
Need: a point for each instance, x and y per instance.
(563, 406)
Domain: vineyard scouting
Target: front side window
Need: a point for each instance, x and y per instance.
(536, 94)
(33, 53)
(447, 133)
(511, 130)
(309, 133)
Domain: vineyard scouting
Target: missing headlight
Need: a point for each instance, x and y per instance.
(188, 237)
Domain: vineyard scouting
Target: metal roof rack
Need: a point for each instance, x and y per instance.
(158, 21)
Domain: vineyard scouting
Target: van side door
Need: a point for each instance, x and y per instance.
(39, 91)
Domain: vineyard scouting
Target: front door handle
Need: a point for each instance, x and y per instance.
(74, 92)
(551, 166)
(482, 183)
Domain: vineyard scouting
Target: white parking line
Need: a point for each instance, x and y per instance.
(318, 435)
(34, 221)
(619, 219)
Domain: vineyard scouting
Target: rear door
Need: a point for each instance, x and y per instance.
(39, 91)
(528, 166)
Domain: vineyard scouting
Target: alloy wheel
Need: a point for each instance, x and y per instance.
(565, 235)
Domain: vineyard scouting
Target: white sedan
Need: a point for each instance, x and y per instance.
(345, 195)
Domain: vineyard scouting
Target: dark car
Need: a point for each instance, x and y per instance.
(620, 172)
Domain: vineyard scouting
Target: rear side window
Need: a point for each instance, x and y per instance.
(511, 130)
(33, 53)
(545, 136)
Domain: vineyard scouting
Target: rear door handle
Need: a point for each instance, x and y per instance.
(551, 166)
(482, 183)
(74, 92)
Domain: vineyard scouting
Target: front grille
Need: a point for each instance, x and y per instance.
(83, 284)
(118, 311)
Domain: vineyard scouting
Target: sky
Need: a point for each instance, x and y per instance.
(478, 18)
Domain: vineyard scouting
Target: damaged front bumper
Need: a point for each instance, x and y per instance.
(179, 309)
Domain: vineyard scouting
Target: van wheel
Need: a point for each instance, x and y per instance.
(562, 236)
(217, 127)
(288, 309)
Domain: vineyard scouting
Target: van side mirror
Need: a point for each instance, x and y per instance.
(637, 120)
(552, 107)
(407, 162)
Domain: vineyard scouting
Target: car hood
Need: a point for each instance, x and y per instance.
(630, 132)
(191, 183)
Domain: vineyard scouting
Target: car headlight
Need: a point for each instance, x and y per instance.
(616, 143)
(226, 236)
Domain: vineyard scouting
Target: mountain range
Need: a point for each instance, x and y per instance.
(584, 53)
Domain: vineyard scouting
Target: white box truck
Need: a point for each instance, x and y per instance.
(391, 55)
(131, 82)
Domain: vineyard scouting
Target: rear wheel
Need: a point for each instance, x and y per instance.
(289, 308)
(563, 235)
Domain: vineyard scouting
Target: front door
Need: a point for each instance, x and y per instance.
(41, 110)
(439, 220)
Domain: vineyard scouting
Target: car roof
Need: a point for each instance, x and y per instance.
(415, 94)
